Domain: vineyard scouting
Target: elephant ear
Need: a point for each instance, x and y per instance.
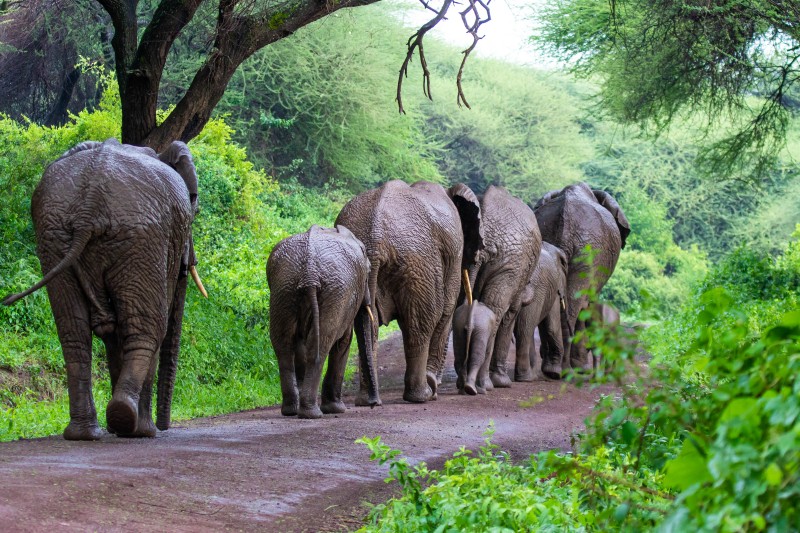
(469, 211)
(178, 156)
(608, 201)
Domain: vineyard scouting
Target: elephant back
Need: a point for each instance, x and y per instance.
(513, 244)
(111, 187)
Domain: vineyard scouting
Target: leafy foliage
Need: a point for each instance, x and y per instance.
(735, 62)
(703, 441)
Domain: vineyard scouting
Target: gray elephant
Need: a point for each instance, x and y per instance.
(571, 219)
(318, 284)
(113, 231)
(499, 281)
(547, 312)
(418, 237)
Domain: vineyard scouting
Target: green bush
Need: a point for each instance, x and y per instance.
(705, 439)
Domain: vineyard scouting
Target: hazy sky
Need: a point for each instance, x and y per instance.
(505, 36)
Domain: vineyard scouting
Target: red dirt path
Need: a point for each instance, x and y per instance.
(259, 471)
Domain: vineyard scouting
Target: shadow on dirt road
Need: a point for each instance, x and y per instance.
(259, 471)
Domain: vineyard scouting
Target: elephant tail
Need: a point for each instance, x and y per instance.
(79, 242)
(312, 296)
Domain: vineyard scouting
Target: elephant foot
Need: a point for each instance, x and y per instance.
(500, 380)
(471, 389)
(145, 429)
(417, 395)
(289, 410)
(552, 371)
(433, 384)
(76, 431)
(524, 377)
(331, 408)
(363, 400)
(122, 416)
(309, 412)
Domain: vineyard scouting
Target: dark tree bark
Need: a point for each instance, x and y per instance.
(239, 34)
(59, 113)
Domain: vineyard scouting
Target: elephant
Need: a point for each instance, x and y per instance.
(547, 312)
(113, 231)
(418, 238)
(500, 281)
(318, 283)
(572, 219)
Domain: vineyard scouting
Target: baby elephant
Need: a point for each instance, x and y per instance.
(318, 288)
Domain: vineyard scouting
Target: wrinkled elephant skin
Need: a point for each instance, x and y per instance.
(572, 219)
(113, 231)
(499, 278)
(418, 238)
(547, 312)
(318, 289)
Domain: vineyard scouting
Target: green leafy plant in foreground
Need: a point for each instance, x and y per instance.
(708, 440)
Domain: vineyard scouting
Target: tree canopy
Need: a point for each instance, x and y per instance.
(663, 59)
(225, 33)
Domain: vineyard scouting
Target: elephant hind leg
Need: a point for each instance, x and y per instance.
(332, 384)
(524, 369)
(122, 412)
(285, 353)
(71, 314)
(437, 352)
(497, 370)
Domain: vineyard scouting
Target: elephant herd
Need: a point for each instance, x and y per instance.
(113, 229)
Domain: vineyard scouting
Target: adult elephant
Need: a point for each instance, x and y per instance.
(113, 231)
(546, 311)
(500, 287)
(418, 237)
(572, 219)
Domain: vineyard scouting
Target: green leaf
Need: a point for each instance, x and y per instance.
(688, 468)
(773, 475)
(629, 431)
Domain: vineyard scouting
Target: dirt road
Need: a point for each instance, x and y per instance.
(259, 471)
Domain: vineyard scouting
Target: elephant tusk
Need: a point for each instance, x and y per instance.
(196, 278)
(371, 316)
(467, 287)
(563, 304)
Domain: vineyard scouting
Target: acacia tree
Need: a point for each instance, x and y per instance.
(734, 62)
(242, 27)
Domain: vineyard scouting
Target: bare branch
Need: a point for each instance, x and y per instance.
(415, 42)
(473, 17)
(472, 28)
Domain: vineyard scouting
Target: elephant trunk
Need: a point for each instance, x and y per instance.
(168, 357)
